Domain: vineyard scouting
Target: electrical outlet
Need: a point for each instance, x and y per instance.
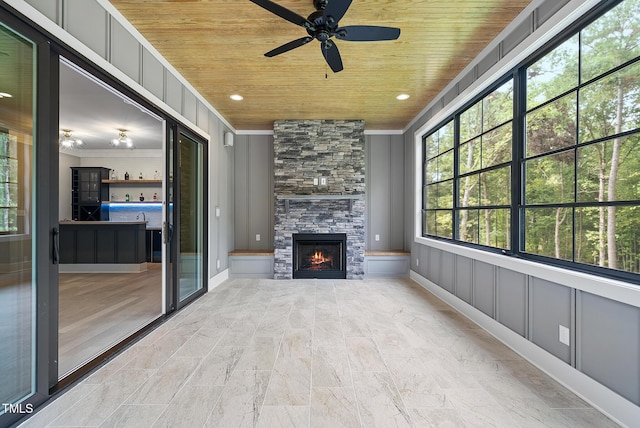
(417, 262)
(218, 264)
(217, 211)
(323, 181)
(315, 181)
(257, 236)
(563, 335)
(377, 237)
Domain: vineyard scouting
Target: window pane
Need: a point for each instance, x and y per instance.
(594, 170)
(431, 146)
(494, 227)
(610, 105)
(469, 157)
(468, 226)
(431, 171)
(471, 122)
(431, 196)
(592, 245)
(553, 126)
(444, 220)
(469, 191)
(430, 222)
(548, 232)
(496, 146)
(554, 74)
(445, 194)
(550, 179)
(497, 107)
(494, 187)
(445, 137)
(611, 40)
(445, 165)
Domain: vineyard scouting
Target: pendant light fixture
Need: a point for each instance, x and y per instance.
(122, 140)
(67, 141)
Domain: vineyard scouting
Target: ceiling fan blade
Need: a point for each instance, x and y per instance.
(283, 12)
(367, 33)
(336, 9)
(288, 46)
(332, 55)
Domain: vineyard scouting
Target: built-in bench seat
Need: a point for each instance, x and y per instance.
(386, 263)
(251, 264)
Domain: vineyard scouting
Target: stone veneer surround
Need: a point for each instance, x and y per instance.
(308, 149)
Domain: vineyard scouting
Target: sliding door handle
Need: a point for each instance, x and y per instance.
(56, 246)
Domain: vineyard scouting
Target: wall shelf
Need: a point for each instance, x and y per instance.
(288, 198)
(133, 182)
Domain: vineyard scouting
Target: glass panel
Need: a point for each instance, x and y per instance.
(554, 74)
(497, 107)
(553, 126)
(493, 185)
(445, 194)
(431, 171)
(444, 223)
(495, 226)
(550, 179)
(611, 40)
(471, 122)
(470, 156)
(496, 146)
(609, 106)
(430, 222)
(17, 275)
(431, 146)
(597, 182)
(191, 217)
(445, 165)
(469, 191)
(431, 196)
(468, 226)
(445, 137)
(549, 232)
(593, 245)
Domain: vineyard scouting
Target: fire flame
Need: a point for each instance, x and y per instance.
(318, 258)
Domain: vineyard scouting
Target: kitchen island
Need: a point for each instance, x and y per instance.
(102, 246)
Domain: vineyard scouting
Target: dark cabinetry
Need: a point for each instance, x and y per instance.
(88, 193)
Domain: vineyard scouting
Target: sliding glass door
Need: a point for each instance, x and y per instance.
(17, 228)
(186, 224)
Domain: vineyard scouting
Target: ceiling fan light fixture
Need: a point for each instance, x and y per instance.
(403, 97)
(67, 141)
(236, 97)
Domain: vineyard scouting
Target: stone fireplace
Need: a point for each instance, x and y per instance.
(319, 185)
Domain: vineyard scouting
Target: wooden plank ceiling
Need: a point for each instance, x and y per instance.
(219, 46)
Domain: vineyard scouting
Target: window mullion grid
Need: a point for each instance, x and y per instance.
(517, 159)
(456, 174)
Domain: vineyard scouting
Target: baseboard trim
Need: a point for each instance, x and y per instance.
(616, 407)
(218, 279)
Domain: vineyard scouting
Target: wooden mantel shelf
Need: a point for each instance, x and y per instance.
(318, 197)
(132, 181)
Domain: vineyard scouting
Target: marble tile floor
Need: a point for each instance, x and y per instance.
(318, 353)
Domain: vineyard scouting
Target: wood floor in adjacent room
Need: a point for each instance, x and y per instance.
(98, 310)
(318, 353)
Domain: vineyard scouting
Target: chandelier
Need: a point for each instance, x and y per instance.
(67, 141)
(122, 140)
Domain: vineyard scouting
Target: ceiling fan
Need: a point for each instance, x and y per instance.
(323, 25)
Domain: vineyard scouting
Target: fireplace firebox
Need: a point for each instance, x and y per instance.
(320, 255)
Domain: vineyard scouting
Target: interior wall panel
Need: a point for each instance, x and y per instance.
(125, 51)
(190, 106)
(448, 272)
(484, 288)
(241, 191)
(260, 170)
(609, 344)
(377, 171)
(550, 307)
(49, 8)
(152, 74)
(512, 300)
(173, 92)
(397, 197)
(464, 279)
(87, 21)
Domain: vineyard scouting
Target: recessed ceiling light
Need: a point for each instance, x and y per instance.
(236, 97)
(5, 95)
(403, 97)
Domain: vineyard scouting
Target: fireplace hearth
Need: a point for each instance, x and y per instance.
(320, 255)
